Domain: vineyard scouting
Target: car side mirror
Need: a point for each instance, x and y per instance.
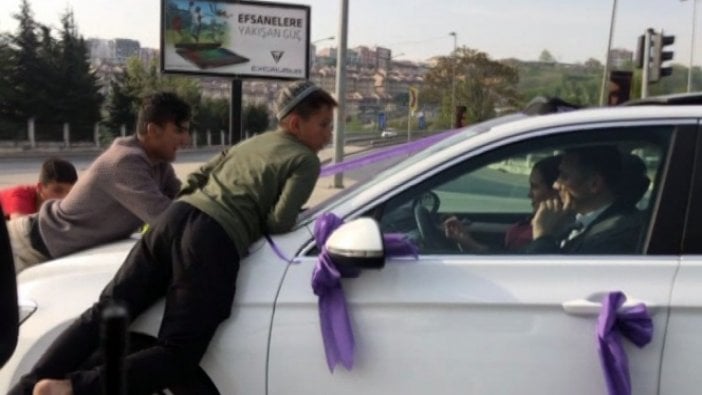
(357, 244)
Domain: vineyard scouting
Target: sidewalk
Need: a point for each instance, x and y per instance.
(324, 188)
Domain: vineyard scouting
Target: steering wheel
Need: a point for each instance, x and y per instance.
(425, 208)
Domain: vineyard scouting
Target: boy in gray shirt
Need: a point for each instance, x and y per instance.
(129, 184)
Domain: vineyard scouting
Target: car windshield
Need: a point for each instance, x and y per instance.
(452, 140)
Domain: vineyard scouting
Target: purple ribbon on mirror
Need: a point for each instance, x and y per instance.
(633, 323)
(384, 154)
(337, 334)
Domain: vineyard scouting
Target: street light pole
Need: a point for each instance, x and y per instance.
(313, 49)
(605, 74)
(323, 39)
(453, 79)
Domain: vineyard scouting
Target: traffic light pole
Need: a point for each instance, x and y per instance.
(646, 63)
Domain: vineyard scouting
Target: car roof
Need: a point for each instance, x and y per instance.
(602, 115)
(591, 116)
(693, 98)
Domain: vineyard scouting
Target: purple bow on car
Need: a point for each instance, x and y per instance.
(635, 324)
(326, 283)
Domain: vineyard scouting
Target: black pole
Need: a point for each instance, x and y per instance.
(114, 347)
(236, 132)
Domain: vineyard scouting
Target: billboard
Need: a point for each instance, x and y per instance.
(237, 39)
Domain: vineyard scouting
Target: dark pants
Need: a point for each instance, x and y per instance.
(188, 258)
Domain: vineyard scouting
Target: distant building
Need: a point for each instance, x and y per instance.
(366, 56)
(383, 56)
(117, 51)
(126, 48)
(374, 81)
(101, 50)
(148, 55)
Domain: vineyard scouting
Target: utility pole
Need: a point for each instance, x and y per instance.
(340, 119)
(453, 79)
(605, 73)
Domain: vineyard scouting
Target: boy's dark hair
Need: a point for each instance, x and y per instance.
(605, 160)
(313, 103)
(302, 97)
(160, 108)
(57, 170)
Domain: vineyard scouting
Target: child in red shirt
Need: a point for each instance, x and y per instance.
(56, 178)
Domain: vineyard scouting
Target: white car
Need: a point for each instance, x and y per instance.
(447, 322)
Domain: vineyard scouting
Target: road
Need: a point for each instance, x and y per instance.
(25, 169)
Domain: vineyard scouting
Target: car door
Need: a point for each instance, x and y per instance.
(453, 321)
(680, 373)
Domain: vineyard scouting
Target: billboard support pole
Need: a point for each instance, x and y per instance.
(235, 112)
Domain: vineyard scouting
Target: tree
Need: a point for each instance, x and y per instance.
(213, 115)
(482, 85)
(593, 64)
(24, 93)
(139, 80)
(255, 118)
(577, 84)
(121, 104)
(9, 128)
(81, 99)
(546, 57)
(48, 79)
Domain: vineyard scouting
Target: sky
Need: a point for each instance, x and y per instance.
(571, 30)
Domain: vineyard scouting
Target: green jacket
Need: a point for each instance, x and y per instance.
(255, 187)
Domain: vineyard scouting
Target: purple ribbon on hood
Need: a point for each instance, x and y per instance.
(635, 324)
(334, 319)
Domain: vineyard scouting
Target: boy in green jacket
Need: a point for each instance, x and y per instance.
(192, 253)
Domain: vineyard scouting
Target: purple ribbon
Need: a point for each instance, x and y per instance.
(635, 324)
(277, 249)
(380, 155)
(326, 283)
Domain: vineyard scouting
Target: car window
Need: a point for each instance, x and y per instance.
(348, 193)
(486, 200)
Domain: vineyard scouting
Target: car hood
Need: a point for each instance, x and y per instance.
(102, 260)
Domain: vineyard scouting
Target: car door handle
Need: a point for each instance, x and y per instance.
(588, 307)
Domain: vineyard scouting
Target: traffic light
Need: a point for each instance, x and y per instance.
(660, 55)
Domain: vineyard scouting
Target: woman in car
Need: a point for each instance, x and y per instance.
(541, 179)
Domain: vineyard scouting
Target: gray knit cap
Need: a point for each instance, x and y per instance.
(292, 95)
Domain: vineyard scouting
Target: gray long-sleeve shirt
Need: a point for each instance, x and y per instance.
(121, 190)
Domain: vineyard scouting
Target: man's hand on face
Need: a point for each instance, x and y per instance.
(552, 216)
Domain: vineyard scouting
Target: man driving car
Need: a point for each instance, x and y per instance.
(587, 186)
